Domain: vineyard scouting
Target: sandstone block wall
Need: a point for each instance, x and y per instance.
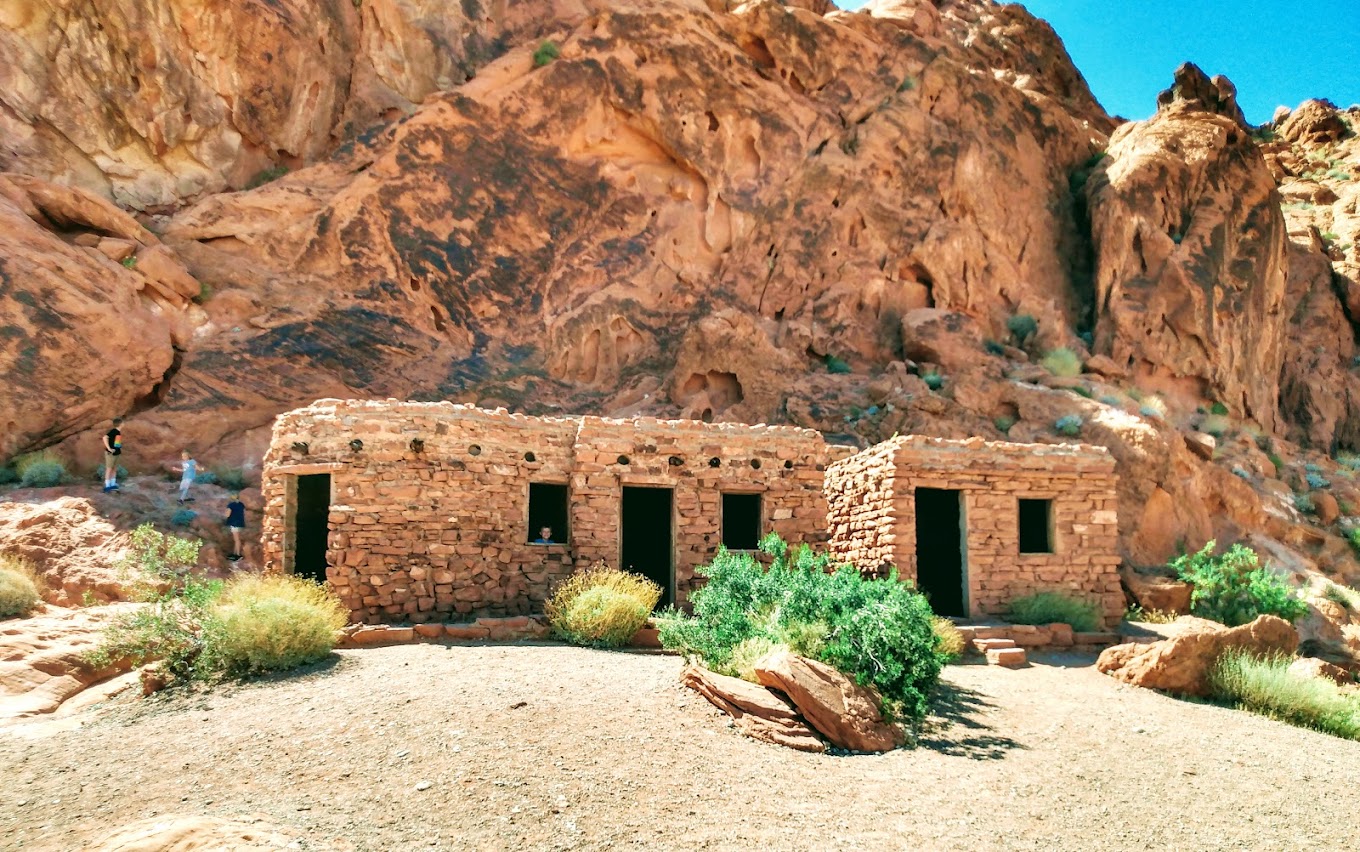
(871, 516)
(442, 533)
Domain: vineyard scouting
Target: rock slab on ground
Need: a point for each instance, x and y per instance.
(844, 712)
(759, 712)
(1181, 663)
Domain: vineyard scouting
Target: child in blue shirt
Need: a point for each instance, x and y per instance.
(188, 473)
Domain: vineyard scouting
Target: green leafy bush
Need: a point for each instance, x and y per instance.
(201, 629)
(19, 586)
(877, 631)
(1053, 607)
(40, 470)
(1062, 362)
(1022, 327)
(1265, 685)
(1219, 409)
(601, 607)
(269, 623)
(8, 475)
(1069, 425)
(545, 53)
(1234, 588)
(835, 364)
(933, 380)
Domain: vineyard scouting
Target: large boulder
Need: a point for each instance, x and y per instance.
(759, 712)
(1156, 593)
(844, 712)
(1181, 663)
(73, 547)
(42, 659)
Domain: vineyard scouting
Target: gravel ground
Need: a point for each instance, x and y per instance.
(553, 747)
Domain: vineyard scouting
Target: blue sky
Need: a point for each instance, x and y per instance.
(1275, 51)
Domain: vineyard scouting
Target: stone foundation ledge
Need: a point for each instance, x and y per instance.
(1055, 636)
(510, 629)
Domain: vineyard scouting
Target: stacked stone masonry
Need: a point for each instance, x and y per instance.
(429, 506)
(872, 513)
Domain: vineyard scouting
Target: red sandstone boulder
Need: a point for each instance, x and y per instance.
(1313, 667)
(844, 712)
(1181, 663)
(1162, 594)
(759, 713)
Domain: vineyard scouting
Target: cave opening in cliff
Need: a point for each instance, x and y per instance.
(311, 526)
(646, 547)
(940, 572)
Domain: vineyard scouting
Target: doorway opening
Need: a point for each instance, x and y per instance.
(939, 550)
(311, 527)
(646, 546)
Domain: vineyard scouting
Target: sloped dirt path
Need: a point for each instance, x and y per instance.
(552, 747)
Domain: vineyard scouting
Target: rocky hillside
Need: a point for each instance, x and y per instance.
(763, 211)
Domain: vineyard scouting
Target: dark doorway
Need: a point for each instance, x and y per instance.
(646, 547)
(939, 550)
(312, 526)
(547, 510)
(741, 521)
(1036, 526)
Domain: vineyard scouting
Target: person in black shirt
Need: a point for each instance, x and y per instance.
(236, 522)
(113, 448)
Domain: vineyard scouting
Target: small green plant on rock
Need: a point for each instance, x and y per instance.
(1346, 597)
(835, 364)
(1219, 409)
(1149, 616)
(933, 380)
(130, 261)
(1004, 423)
(1055, 607)
(1304, 503)
(601, 607)
(1234, 588)
(183, 517)
(1022, 327)
(1068, 425)
(1062, 362)
(546, 52)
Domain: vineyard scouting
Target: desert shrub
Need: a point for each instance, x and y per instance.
(1264, 685)
(268, 623)
(1112, 400)
(230, 478)
(1069, 425)
(1234, 588)
(1329, 237)
(1317, 481)
(1215, 425)
(8, 475)
(183, 517)
(601, 607)
(1218, 408)
(205, 292)
(877, 631)
(1004, 423)
(1304, 503)
(545, 53)
(949, 640)
(268, 175)
(1022, 327)
(991, 347)
(1062, 362)
(1051, 607)
(204, 477)
(1149, 616)
(40, 470)
(907, 84)
(933, 380)
(19, 586)
(835, 364)
(1277, 461)
(202, 629)
(1347, 597)
(1354, 538)
(750, 651)
(1081, 390)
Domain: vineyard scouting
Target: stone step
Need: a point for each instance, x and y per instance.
(1011, 658)
(985, 645)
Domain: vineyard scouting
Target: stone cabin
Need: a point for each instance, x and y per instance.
(420, 512)
(977, 523)
(430, 511)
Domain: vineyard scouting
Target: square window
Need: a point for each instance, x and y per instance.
(741, 521)
(1036, 526)
(547, 512)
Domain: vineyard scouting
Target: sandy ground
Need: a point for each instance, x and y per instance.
(553, 747)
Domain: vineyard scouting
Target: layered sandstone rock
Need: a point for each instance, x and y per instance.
(758, 712)
(42, 658)
(1181, 663)
(847, 714)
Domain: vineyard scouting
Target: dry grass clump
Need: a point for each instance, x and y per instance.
(1062, 362)
(949, 641)
(1149, 616)
(273, 622)
(601, 607)
(19, 586)
(1265, 685)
